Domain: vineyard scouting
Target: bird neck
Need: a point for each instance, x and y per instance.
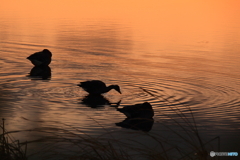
(110, 87)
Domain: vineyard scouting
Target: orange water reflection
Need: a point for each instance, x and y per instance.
(187, 50)
(160, 22)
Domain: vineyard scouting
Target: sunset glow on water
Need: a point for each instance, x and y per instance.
(183, 57)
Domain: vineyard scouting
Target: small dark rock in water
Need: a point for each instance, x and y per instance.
(96, 87)
(143, 110)
(42, 58)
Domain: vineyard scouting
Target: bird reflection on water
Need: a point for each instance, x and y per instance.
(95, 101)
(139, 117)
(143, 124)
(40, 72)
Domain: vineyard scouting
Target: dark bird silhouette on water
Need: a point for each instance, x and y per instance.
(143, 110)
(139, 117)
(42, 58)
(96, 87)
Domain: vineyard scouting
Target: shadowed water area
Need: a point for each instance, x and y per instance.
(181, 57)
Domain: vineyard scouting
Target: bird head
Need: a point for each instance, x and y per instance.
(117, 88)
(47, 52)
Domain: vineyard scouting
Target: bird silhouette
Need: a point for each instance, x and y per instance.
(42, 58)
(96, 87)
(143, 110)
(139, 117)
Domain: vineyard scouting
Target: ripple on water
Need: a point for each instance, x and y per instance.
(205, 99)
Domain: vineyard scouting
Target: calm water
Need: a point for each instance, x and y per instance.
(185, 53)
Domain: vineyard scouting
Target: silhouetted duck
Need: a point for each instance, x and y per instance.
(42, 58)
(96, 87)
(143, 110)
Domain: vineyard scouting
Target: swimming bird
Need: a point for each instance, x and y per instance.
(96, 87)
(42, 58)
(143, 110)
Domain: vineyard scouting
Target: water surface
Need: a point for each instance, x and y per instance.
(174, 55)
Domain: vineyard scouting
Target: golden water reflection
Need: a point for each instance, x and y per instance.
(186, 52)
